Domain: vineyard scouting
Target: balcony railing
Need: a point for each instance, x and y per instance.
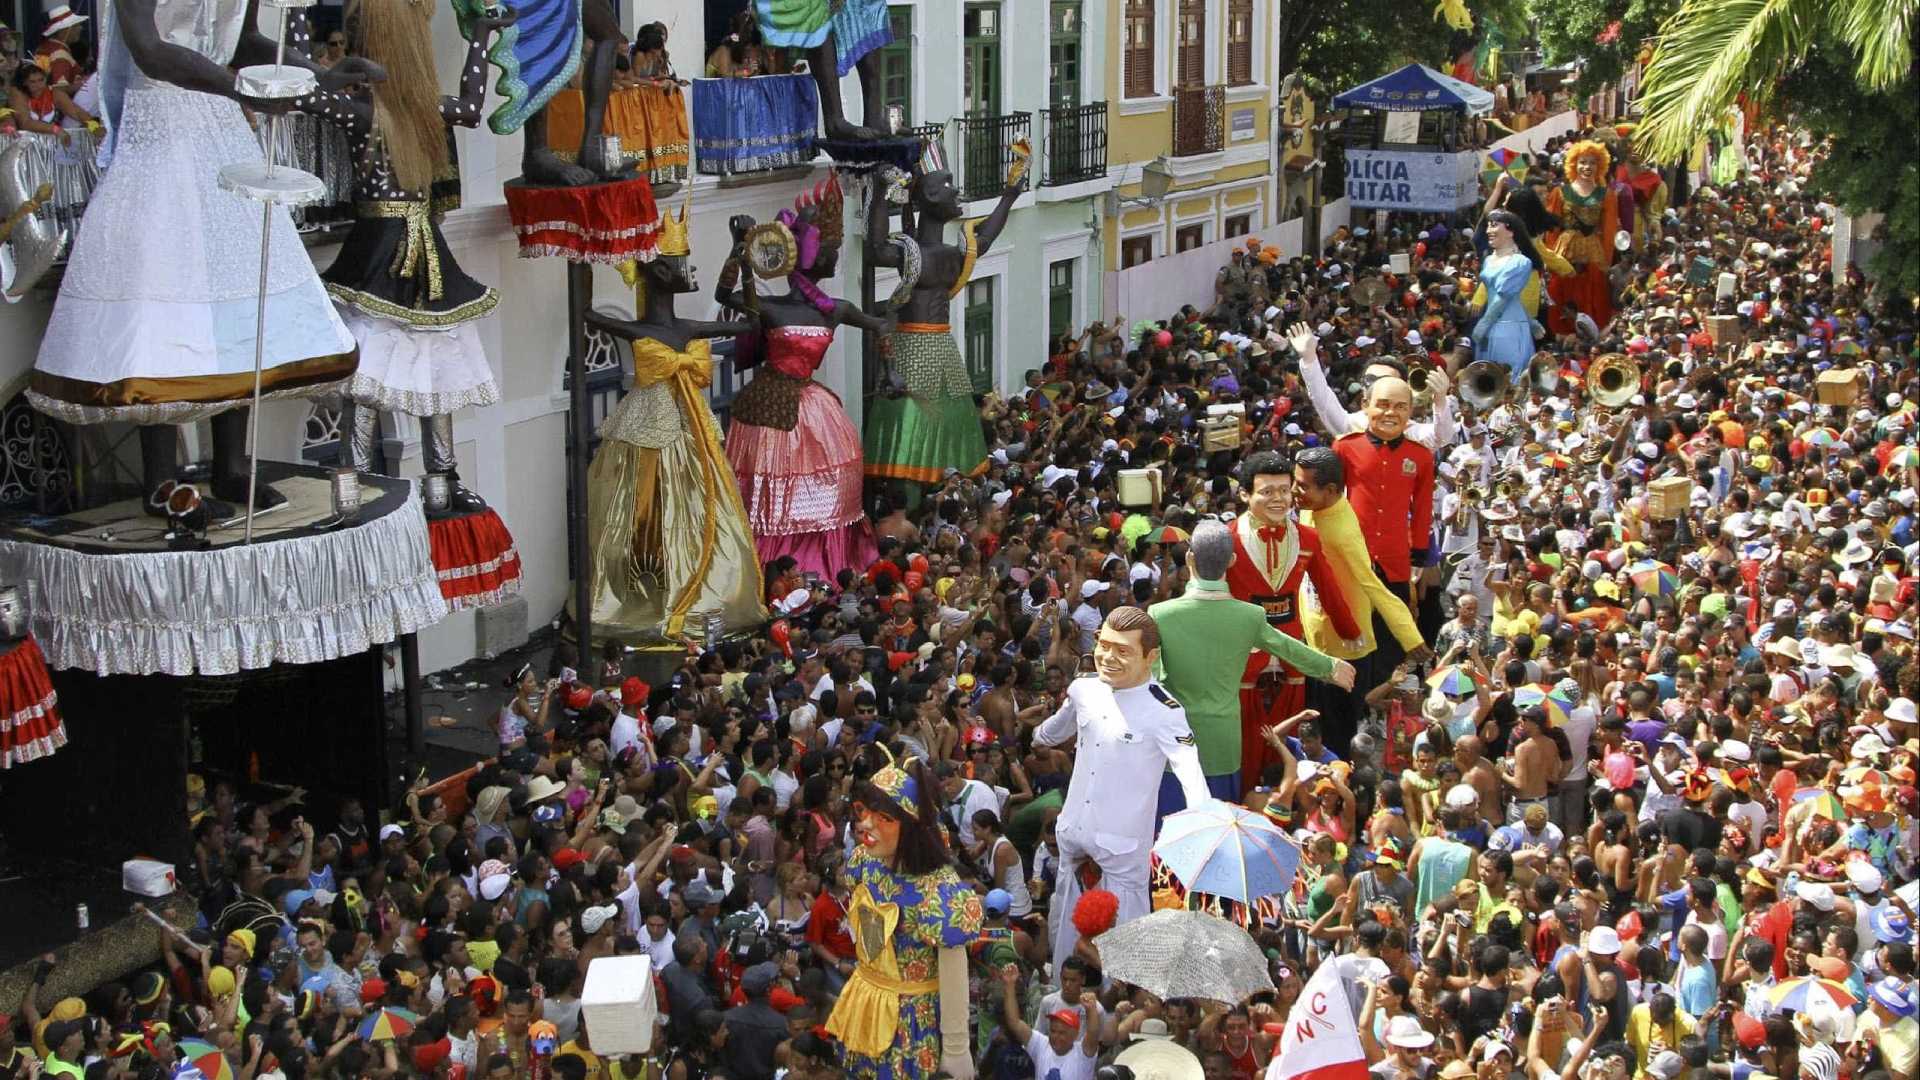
(986, 152)
(1199, 120)
(1076, 144)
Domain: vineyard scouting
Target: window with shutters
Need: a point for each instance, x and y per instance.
(980, 333)
(980, 66)
(896, 62)
(1139, 49)
(1188, 237)
(1060, 298)
(1239, 42)
(1191, 59)
(1063, 54)
(1135, 250)
(1237, 225)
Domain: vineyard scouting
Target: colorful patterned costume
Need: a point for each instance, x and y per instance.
(858, 26)
(934, 426)
(670, 534)
(797, 458)
(1586, 242)
(889, 1014)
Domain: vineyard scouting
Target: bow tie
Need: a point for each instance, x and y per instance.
(1272, 536)
(1391, 444)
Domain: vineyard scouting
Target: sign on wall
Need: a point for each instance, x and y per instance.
(1241, 124)
(1409, 180)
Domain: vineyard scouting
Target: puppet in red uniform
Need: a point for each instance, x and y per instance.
(1272, 554)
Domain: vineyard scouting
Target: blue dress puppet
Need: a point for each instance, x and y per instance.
(1504, 332)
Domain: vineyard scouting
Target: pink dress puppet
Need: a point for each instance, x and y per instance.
(793, 449)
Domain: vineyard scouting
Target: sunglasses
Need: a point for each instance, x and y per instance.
(342, 42)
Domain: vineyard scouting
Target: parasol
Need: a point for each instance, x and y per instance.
(1654, 578)
(388, 1024)
(1456, 679)
(1502, 162)
(1558, 704)
(1809, 992)
(1227, 851)
(1825, 803)
(205, 1057)
(1904, 457)
(1185, 954)
(1556, 461)
(1821, 436)
(1168, 534)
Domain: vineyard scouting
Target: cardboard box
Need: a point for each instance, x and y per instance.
(1725, 329)
(1667, 497)
(1836, 386)
(618, 1006)
(1220, 433)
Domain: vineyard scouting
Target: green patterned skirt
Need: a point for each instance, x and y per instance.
(935, 425)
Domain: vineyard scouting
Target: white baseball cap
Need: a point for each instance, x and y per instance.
(1603, 941)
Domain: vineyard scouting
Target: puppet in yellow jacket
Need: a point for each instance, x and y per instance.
(1525, 203)
(1319, 489)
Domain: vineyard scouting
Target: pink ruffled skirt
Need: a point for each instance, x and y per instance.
(802, 487)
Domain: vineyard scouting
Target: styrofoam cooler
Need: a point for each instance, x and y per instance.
(148, 877)
(618, 1004)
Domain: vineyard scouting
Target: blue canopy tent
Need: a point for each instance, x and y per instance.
(1417, 88)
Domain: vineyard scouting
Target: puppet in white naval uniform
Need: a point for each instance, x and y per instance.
(1129, 731)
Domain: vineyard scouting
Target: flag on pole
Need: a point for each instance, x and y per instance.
(1321, 1041)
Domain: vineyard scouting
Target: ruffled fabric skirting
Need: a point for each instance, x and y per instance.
(802, 487)
(30, 724)
(418, 372)
(475, 559)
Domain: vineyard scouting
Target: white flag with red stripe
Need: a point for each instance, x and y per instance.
(1321, 1041)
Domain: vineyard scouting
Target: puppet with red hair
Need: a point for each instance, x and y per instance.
(1591, 218)
(792, 447)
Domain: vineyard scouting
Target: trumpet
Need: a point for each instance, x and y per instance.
(1422, 388)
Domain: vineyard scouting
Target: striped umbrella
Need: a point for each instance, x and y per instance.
(388, 1023)
(1168, 534)
(1557, 702)
(1904, 457)
(205, 1057)
(1456, 679)
(1825, 803)
(1654, 578)
(1821, 436)
(1810, 992)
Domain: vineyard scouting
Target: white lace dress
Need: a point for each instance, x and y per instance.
(155, 318)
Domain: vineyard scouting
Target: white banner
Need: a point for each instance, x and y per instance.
(1412, 180)
(1321, 1040)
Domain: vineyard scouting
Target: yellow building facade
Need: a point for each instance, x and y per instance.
(1192, 91)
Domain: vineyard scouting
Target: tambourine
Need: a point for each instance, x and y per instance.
(1371, 292)
(1622, 240)
(771, 251)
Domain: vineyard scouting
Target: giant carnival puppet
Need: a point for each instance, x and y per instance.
(539, 54)
(670, 535)
(840, 36)
(1591, 219)
(410, 307)
(156, 318)
(925, 422)
(903, 1013)
(793, 449)
(1649, 188)
(1525, 204)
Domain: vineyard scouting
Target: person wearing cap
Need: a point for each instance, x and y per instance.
(628, 731)
(1405, 1040)
(1071, 1045)
(755, 1030)
(1209, 635)
(54, 54)
(1889, 1026)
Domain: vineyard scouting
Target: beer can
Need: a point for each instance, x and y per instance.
(80, 916)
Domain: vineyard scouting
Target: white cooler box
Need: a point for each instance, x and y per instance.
(148, 877)
(618, 1006)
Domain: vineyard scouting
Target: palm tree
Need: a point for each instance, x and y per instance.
(1712, 51)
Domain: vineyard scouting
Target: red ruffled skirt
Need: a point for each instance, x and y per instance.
(30, 724)
(604, 223)
(1587, 288)
(802, 487)
(475, 558)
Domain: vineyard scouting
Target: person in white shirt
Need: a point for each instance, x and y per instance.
(1436, 434)
(1128, 732)
(964, 798)
(1070, 1047)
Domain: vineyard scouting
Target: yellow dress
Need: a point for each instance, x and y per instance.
(668, 528)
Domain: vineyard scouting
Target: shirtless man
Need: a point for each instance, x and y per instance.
(1535, 764)
(1470, 754)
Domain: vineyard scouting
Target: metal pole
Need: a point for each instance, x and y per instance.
(260, 308)
(410, 675)
(579, 296)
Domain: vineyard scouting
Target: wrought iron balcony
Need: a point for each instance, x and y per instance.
(1199, 120)
(1076, 144)
(986, 152)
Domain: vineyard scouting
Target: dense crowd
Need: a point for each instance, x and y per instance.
(1688, 853)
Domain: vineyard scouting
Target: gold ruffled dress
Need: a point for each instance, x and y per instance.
(668, 528)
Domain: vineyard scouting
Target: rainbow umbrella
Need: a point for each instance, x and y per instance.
(1168, 534)
(1810, 992)
(1556, 461)
(1558, 704)
(1848, 347)
(1654, 578)
(388, 1023)
(1825, 803)
(1821, 436)
(1456, 679)
(205, 1057)
(1904, 457)
(1497, 162)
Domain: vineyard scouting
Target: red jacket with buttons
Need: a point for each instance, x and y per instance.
(1391, 489)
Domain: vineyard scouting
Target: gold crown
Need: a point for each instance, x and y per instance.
(673, 233)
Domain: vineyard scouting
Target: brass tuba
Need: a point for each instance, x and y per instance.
(1422, 389)
(1484, 384)
(1613, 380)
